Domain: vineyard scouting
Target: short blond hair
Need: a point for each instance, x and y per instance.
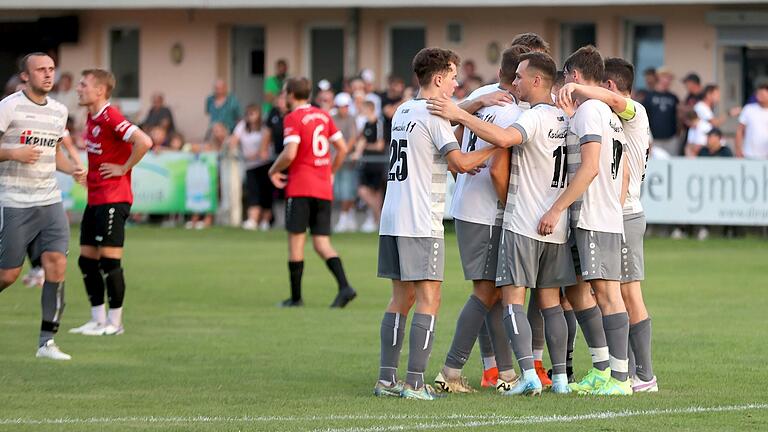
(102, 77)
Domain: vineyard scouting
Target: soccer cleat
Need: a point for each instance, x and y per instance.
(568, 371)
(489, 377)
(51, 351)
(291, 303)
(458, 385)
(345, 295)
(542, 373)
(90, 325)
(34, 278)
(426, 392)
(614, 387)
(104, 330)
(640, 386)
(528, 385)
(592, 381)
(383, 390)
(560, 384)
(505, 386)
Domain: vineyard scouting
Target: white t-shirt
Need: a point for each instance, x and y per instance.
(23, 122)
(698, 134)
(755, 119)
(600, 208)
(638, 133)
(474, 199)
(250, 142)
(704, 112)
(418, 172)
(540, 163)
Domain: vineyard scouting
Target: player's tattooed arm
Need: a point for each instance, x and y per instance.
(282, 162)
(572, 91)
(587, 171)
(141, 145)
(488, 132)
(499, 168)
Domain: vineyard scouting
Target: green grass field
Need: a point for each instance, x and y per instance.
(205, 347)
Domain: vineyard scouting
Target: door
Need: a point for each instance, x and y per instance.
(248, 65)
(327, 55)
(405, 42)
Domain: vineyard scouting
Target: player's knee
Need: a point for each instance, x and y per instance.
(109, 265)
(8, 277)
(55, 266)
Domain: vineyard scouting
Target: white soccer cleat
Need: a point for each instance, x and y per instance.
(35, 278)
(105, 330)
(51, 351)
(640, 386)
(90, 325)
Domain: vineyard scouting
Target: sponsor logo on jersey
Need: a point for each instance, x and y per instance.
(96, 131)
(28, 138)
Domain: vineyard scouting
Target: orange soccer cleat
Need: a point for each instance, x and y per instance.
(542, 373)
(489, 377)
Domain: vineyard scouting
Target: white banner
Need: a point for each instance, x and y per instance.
(706, 191)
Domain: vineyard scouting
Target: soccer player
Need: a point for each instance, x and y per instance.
(617, 83)
(477, 213)
(114, 147)
(595, 146)
(411, 245)
(31, 211)
(528, 259)
(309, 134)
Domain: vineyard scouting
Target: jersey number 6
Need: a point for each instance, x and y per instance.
(320, 145)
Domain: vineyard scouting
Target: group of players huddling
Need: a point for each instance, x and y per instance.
(32, 218)
(547, 199)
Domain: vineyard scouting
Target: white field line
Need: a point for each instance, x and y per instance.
(530, 420)
(437, 422)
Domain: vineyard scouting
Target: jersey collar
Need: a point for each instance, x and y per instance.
(95, 116)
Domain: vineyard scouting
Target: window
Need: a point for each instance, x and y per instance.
(327, 44)
(455, 32)
(574, 36)
(405, 43)
(645, 46)
(124, 61)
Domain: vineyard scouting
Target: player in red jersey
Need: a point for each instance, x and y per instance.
(309, 134)
(114, 146)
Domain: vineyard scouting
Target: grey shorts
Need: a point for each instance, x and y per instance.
(526, 262)
(599, 253)
(632, 262)
(32, 231)
(411, 258)
(479, 249)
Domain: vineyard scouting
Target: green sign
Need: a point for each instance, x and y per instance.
(165, 183)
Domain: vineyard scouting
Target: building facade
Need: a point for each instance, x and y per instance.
(180, 47)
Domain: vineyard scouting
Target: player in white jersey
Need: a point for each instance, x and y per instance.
(477, 213)
(616, 91)
(411, 246)
(32, 217)
(533, 178)
(596, 140)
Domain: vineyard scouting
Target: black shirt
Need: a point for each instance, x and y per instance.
(372, 131)
(275, 125)
(662, 113)
(387, 121)
(723, 152)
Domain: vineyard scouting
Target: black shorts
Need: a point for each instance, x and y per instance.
(104, 225)
(305, 212)
(372, 175)
(260, 191)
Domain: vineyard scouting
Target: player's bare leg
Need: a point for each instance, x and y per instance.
(323, 247)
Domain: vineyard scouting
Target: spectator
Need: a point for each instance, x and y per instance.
(159, 138)
(650, 79)
(696, 137)
(692, 84)
(275, 122)
(390, 100)
(752, 133)
(469, 72)
(67, 95)
(324, 97)
(370, 90)
(274, 85)
(254, 142)
(705, 108)
(346, 179)
(714, 148)
(371, 146)
(176, 142)
(222, 107)
(198, 189)
(159, 115)
(661, 105)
